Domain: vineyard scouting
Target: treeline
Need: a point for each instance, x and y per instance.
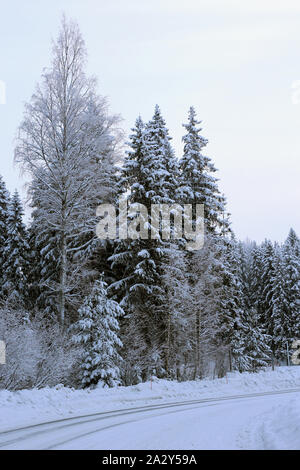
(79, 310)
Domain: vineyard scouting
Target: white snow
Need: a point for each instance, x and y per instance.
(276, 429)
(36, 406)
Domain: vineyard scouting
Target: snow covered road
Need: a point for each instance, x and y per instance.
(264, 420)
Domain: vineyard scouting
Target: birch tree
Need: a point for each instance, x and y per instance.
(67, 143)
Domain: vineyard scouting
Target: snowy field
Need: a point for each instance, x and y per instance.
(263, 422)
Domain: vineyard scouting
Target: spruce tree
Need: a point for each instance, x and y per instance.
(231, 307)
(97, 330)
(291, 267)
(199, 183)
(279, 324)
(16, 252)
(268, 276)
(4, 202)
(257, 349)
(150, 176)
(256, 341)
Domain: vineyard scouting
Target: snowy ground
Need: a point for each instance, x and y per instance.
(257, 422)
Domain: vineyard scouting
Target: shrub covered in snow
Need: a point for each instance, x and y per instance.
(38, 354)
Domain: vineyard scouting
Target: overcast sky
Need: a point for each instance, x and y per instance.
(235, 61)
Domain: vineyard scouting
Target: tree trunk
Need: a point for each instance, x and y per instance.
(168, 342)
(230, 359)
(197, 352)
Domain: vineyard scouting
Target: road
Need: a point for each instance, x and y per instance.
(214, 423)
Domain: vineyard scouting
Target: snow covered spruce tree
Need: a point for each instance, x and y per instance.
(199, 184)
(269, 268)
(4, 202)
(97, 330)
(277, 321)
(230, 306)
(150, 176)
(291, 270)
(67, 143)
(256, 284)
(268, 300)
(265, 294)
(256, 341)
(257, 351)
(16, 254)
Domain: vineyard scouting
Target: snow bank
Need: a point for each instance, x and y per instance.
(35, 406)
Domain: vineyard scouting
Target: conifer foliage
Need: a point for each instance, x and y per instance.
(197, 170)
(97, 331)
(4, 202)
(16, 253)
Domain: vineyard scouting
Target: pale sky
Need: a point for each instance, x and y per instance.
(236, 62)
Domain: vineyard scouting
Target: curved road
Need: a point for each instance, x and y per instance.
(212, 423)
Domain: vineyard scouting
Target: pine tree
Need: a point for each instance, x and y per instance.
(4, 202)
(149, 175)
(97, 331)
(199, 184)
(16, 252)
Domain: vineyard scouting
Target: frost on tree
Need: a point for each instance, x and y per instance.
(97, 330)
(199, 185)
(68, 144)
(291, 266)
(149, 176)
(4, 202)
(16, 253)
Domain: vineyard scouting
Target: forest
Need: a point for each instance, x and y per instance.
(80, 311)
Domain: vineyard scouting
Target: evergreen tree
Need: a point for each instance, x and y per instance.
(256, 343)
(231, 307)
(199, 184)
(16, 252)
(268, 271)
(4, 202)
(149, 176)
(162, 179)
(97, 331)
(279, 323)
(291, 267)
